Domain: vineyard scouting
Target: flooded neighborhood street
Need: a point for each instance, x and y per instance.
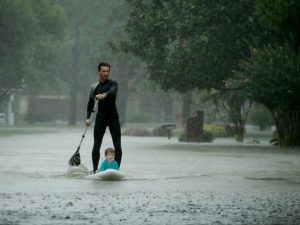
(197, 103)
(167, 182)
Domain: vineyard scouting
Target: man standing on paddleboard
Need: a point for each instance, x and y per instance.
(105, 91)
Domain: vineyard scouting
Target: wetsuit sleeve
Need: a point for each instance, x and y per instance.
(113, 89)
(90, 106)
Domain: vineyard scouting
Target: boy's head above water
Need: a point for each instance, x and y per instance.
(109, 154)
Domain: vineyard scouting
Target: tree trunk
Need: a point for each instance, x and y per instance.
(239, 124)
(288, 127)
(238, 110)
(74, 77)
(167, 108)
(186, 106)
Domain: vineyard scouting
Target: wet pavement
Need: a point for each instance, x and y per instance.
(167, 182)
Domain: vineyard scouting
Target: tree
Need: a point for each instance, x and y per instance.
(90, 33)
(282, 17)
(271, 76)
(236, 106)
(28, 29)
(192, 44)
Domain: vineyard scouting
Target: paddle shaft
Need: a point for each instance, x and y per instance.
(75, 159)
(86, 128)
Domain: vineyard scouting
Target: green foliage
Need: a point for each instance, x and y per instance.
(282, 16)
(28, 30)
(272, 76)
(92, 29)
(190, 44)
(138, 132)
(97, 26)
(232, 107)
(14, 19)
(215, 130)
(208, 135)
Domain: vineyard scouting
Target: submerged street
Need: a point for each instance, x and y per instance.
(167, 182)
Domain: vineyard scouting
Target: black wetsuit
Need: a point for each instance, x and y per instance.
(107, 115)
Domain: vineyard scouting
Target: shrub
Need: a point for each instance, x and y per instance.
(216, 130)
(182, 136)
(141, 132)
(159, 132)
(207, 136)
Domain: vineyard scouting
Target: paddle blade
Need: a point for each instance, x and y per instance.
(75, 159)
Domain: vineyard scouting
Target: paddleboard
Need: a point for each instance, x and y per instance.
(107, 175)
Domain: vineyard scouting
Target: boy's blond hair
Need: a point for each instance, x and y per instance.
(111, 150)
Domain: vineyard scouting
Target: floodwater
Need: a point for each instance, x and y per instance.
(167, 182)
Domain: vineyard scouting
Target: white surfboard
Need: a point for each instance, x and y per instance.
(107, 175)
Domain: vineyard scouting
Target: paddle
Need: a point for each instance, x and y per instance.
(75, 159)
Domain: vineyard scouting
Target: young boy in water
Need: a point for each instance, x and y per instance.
(109, 162)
